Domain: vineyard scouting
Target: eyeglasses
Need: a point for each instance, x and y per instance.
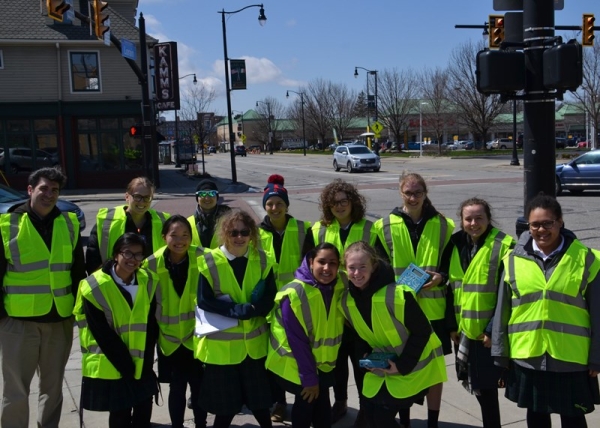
(416, 195)
(243, 232)
(206, 193)
(139, 198)
(342, 203)
(129, 255)
(549, 224)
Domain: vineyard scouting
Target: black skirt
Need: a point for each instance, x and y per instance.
(104, 395)
(180, 361)
(569, 394)
(226, 388)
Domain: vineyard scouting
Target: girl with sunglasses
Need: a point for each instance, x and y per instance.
(342, 223)
(280, 233)
(135, 217)
(417, 233)
(208, 211)
(306, 331)
(236, 281)
(176, 266)
(116, 359)
(547, 320)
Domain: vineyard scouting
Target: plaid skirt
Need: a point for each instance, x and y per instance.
(569, 394)
(225, 389)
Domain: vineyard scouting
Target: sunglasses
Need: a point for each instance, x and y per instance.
(206, 193)
(243, 232)
(139, 198)
(129, 255)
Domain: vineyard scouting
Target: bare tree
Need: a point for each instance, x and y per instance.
(474, 109)
(343, 102)
(396, 100)
(270, 109)
(318, 109)
(197, 99)
(436, 108)
(589, 92)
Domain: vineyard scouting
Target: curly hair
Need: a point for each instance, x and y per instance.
(545, 202)
(142, 181)
(474, 201)
(226, 223)
(327, 199)
(54, 174)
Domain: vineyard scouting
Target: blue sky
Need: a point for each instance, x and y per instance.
(308, 39)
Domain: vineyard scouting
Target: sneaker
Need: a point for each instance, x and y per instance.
(338, 410)
(279, 412)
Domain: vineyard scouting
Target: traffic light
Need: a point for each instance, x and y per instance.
(588, 29)
(135, 131)
(57, 8)
(496, 30)
(101, 25)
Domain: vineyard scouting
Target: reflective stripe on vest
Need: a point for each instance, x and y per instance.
(36, 277)
(359, 231)
(110, 225)
(388, 334)
(249, 337)
(175, 314)
(323, 328)
(551, 315)
(128, 322)
(436, 235)
(475, 299)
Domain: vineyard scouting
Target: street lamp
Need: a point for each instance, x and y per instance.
(177, 163)
(268, 104)
(421, 129)
(262, 20)
(374, 73)
(287, 95)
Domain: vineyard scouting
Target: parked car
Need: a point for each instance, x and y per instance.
(561, 143)
(26, 159)
(355, 157)
(240, 151)
(212, 149)
(414, 146)
(582, 145)
(11, 198)
(579, 174)
(502, 143)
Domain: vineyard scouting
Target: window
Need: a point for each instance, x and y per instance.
(29, 145)
(1, 60)
(85, 71)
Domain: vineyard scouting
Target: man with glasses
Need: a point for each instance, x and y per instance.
(41, 264)
(136, 216)
(208, 211)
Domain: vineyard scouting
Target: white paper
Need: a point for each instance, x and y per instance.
(210, 322)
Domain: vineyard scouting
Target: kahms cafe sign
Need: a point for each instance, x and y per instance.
(166, 76)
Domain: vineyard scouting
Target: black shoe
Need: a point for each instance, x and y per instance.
(338, 410)
(361, 420)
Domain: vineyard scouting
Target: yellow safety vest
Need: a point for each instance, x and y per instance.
(110, 226)
(551, 316)
(476, 290)
(214, 242)
(175, 315)
(388, 334)
(291, 250)
(250, 337)
(394, 235)
(36, 278)
(129, 323)
(359, 231)
(324, 331)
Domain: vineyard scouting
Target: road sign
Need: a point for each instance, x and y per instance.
(243, 138)
(377, 127)
(128, 49)
(518, 5)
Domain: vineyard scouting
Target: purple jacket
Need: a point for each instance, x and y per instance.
(297, 339)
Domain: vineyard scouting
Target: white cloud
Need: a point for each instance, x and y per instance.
(291, 23)
(258, 70)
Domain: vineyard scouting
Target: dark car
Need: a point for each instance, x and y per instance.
(11, 198)
(240, 151)
(581, 173)
(561, 143)
(212, 149)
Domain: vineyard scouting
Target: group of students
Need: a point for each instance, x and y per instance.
(307, 298)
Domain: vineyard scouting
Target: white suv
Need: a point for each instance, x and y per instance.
(502, 143)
